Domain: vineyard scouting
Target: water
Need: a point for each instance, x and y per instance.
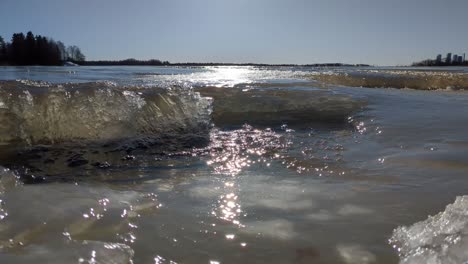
(232, 164)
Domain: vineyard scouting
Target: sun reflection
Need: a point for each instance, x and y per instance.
(92, 259)
(3, 213)
(230, 153)
(233, 151)
(220, 76)
(230, 76)
(228, 206)
(225, 76)
(160, 260)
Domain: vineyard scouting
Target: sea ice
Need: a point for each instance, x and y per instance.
(355, 254)
(442, 238)
(278, 229)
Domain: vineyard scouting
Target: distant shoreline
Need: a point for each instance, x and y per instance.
(195, 64)
(198, 64)
(424, 64)
(435, 63)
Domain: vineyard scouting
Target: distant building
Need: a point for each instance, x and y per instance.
(455, 58)
(439, 58)
(460, 59)
(448, 59)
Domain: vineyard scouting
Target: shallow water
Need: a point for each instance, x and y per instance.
(228, 165)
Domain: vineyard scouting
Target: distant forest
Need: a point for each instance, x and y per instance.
(37, 50)
(127, 62)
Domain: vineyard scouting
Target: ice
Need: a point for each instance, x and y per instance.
(277, 229)
(236, 106)
(8, 181)
(355, 254)
(321, 215)
(95, 252)
(72, 210)
(442, 238)
(38, 113)
(423, 80)
(279, 203)
(351, 209)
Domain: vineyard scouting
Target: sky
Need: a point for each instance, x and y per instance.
(377, 32)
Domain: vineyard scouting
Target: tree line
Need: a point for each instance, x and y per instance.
(37, 50)
(154, 62)
(127, 62)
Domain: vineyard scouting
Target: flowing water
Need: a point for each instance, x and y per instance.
(233, 165)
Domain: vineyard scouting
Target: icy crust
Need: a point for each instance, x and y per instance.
(442, 238)
(421, 80)
(40, 113)
(278, 106)
(55, 228)
(33, 113)
(81, 252)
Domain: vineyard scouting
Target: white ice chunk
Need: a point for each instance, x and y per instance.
(442, 238)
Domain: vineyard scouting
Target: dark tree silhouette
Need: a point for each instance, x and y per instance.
(127, 62)
(30, 46)
(40, 54)
(18, 49)
(53, 53)
(3, 51)
(36, 50)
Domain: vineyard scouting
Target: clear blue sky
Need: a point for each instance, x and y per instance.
(381, 32)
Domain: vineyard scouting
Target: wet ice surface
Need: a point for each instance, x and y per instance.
(74, 252)
(194, 219)
(249, 198)
(263, 192)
